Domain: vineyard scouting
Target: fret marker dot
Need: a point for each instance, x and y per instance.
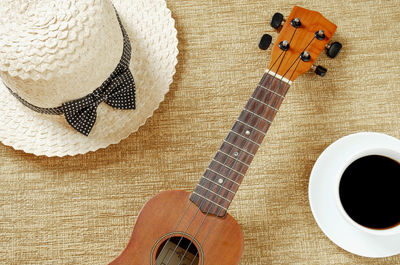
(236, 154)
(220, 181)
(247, 132)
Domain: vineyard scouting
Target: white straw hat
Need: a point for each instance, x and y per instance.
(54, 53)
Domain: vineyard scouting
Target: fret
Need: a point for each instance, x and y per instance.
(217, 184)
(220, 176)
(239, 148)
(254, 128)
(275, 85)
(225, 167)
(224, 175)
(245, 146)
(246, 138)
(254, 121)
(230, 170)
(269, 90)
(260, 110)
(213, 202)
(227, 189)
(266, 97)
(265, 104)
(232, 186)
(233, 158)
(255, 114)
(242, 156)
(242, 143)
(248, 132)
(233, 175)
(208, 190)
(221, 191)
(231, 163)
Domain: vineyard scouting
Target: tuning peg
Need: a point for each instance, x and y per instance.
(265, 42)
(319, 70)
(277, 21)
(333, 49)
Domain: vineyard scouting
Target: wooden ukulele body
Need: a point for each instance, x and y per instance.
(219, 240)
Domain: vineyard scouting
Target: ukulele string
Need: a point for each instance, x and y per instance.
(282, 52)
(180, 240)
(298, 61)
(280, 82)
(194, 236)
(215, 218)
(230, 168)
(187, 228)
(207, 213)
(237, 159)
(290, 41)
(176, 226)
(234, 164)
(220, 209)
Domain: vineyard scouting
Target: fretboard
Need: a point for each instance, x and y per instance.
(219, 183)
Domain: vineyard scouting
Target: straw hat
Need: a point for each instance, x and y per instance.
(54, 53)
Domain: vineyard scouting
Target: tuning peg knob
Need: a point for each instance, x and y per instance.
(319, 70)
(277, 21)
(265, 42)
(333, 49)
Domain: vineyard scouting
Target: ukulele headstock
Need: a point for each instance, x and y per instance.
(302, 37)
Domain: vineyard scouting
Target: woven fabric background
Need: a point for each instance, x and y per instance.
(81, 210)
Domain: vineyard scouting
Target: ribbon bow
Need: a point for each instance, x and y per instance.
(118, 91)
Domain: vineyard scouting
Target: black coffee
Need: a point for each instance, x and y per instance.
(370, 191)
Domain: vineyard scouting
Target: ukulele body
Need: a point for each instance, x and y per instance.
(219, 241)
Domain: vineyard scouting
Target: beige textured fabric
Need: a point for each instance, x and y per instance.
(81, 210)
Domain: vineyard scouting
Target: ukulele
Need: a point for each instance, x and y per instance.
(181, 228)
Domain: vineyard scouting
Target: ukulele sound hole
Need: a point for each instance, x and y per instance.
(169, 252)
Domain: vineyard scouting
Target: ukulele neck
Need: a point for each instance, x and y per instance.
(218, 185)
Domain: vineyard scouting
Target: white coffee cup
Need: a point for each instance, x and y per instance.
(378, 144)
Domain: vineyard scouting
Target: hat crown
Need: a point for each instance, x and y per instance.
(35, 13)
(53, 51)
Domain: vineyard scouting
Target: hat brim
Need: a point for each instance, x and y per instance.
(154, 56)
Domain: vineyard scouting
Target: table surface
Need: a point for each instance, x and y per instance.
(81, 210)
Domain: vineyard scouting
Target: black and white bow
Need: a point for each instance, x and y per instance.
(119, 93)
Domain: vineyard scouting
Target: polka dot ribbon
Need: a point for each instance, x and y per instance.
(118, 91)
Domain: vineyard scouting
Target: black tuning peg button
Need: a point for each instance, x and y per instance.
(333, 49)
(319, 70)
(265, 41)
(277, 21)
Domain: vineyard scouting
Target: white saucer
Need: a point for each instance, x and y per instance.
(323, 204)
